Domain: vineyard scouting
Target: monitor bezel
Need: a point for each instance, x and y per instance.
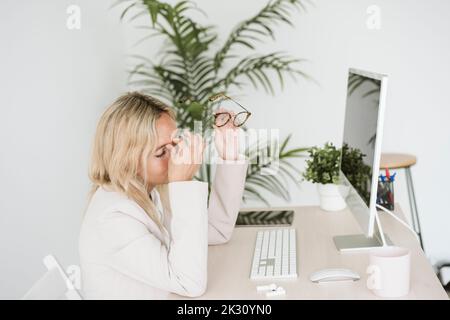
(368, 226)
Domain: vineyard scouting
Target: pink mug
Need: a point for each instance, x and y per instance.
(389, 269)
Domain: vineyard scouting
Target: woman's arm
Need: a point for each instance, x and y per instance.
(225, 200)
(138, 254)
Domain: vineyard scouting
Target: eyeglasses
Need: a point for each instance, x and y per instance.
(222, 118)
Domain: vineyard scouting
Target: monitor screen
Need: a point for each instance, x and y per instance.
(360, 129)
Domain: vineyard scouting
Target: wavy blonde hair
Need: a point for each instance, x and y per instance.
(125, 135)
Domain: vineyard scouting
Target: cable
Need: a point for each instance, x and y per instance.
(399, 220)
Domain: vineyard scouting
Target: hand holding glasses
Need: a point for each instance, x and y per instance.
(226, 141)
(221, 118)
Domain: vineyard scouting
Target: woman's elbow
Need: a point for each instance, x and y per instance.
(218, 240)
(197, 290)
(217, 236)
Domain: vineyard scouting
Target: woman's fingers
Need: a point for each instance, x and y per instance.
(196, 148)
(199, 148)
(186, 155)
(230, 123)
(189, 150)
(227, 142)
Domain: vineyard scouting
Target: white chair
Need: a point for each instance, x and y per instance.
(54, 285)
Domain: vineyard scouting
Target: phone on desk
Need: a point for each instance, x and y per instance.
(275, 218)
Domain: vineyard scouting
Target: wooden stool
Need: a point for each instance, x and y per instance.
(405, 161)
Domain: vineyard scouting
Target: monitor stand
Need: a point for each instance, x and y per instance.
(358, 242)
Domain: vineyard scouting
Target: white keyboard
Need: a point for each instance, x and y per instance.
(275, 255)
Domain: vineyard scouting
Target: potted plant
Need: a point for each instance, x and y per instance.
(194, 64)
(357, 172)
(323, 169)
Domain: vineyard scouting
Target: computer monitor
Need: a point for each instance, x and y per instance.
(361, 149)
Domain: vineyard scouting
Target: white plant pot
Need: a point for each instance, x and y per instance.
(332, 196)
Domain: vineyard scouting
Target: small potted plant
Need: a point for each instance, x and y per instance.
(357, 172)
(323, 169)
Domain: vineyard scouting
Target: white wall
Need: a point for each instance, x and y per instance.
(55, 83)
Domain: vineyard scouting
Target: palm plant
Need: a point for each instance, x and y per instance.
(189, 73)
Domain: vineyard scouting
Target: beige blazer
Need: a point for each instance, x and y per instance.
(124, 255)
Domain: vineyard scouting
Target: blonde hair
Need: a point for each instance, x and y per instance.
(125, 135)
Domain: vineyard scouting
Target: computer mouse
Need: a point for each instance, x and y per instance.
(327, 275)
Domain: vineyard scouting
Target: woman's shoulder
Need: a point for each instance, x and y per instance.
(112, 210)
(106, 203)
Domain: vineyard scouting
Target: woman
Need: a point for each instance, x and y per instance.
(148, 224)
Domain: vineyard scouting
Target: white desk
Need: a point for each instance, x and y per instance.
(229, 264)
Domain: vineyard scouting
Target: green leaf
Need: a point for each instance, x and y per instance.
(251, 193)
(126, 10)
(195, 110)
(245, 43)
(271, 14)
(153, 7)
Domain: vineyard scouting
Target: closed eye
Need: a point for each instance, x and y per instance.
(161, 153)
